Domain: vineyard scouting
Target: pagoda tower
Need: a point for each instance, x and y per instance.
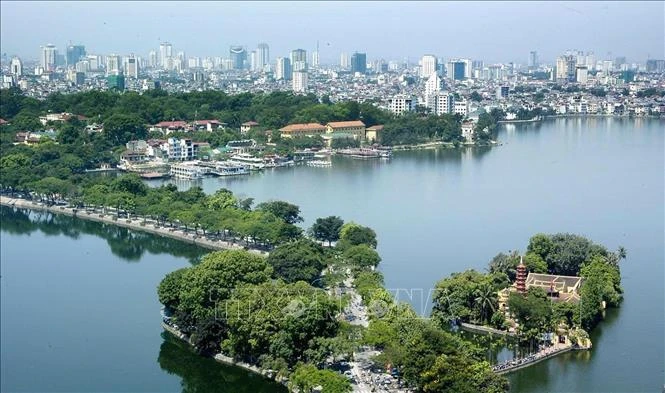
(521, 277)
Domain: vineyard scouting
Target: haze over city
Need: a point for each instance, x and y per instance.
(493, 31)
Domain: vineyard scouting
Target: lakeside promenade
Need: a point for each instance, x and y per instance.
(148, 225)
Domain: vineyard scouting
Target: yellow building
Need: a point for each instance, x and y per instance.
(346, 129)
(302, 129)
(373, 133)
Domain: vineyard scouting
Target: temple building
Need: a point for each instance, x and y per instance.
(558, 288)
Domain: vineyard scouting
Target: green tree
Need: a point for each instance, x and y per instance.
(297, 261)
(362, 256)
(327, 229)
(307, 377)
(352, 234)
(285, 211)
(121, 128)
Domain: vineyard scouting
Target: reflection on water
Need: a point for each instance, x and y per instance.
(201, 374)
(124, 243)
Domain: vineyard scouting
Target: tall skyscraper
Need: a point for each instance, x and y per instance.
(112, 64)
(344, 61)
(132, 67)
(262, 56)
(315, 56)
(428, 66)
(283, 69)
(299, 60)
(238, 57)
(49, 54)
(359, 62)
(300, 81)
(74, 54)
(533, 60)
(433, 84)
(152, 59)
(165, 52)
(16, 67)
(456, 70)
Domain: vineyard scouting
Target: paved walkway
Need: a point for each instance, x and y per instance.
(138, 224)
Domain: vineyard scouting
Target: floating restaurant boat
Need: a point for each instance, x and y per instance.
(188, 171)
(226, 168)
(254, 163)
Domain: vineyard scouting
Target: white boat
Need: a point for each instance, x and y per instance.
(189, 171)
(254, 163)
(319, 163)
(229, 169)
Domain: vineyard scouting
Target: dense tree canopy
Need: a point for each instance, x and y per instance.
(327, 229)
(302, 260)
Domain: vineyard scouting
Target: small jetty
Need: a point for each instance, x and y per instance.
(520, 363)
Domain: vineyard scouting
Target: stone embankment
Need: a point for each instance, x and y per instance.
(138, 224)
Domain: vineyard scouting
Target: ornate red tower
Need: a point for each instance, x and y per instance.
(521, 277)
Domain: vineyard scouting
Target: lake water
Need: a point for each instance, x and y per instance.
(435, 212)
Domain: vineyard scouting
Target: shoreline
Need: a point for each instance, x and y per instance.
(227, 360)
(469, 327)
(535, 361)
(215, 245)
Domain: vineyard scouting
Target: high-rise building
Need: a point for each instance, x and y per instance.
(428, 65)
(262, 56)
(74, 54)
(445, 103)
(344, 61)
(359, 62)
(152, 59)
(112, 65)
(300, 81)
(433, 84)
(132, 67)
(165, 52)
(565, 67)
(315, 59)
(298, 60)
(283, 69)
(49, 54)
(116, 82)
(16, 67)
(456, 70)
(502, 92)
(402, 103)
(581, 73)
(477, 65)
(533, 60)
(238, 57)
(655, 65)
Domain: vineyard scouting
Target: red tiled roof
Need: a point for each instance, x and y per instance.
(3, 121)
(378, 127)
(303, 127)
(171, 124)
(250, 123)
(204, 122)
(341, 124)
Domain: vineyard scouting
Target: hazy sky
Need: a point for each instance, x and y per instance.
(491, 31)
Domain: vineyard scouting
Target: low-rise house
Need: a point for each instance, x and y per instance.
(373, 133)
(206, 125)
(167, 127)
(34, 137)
(179, 149)
(248, 126)
(59, 117)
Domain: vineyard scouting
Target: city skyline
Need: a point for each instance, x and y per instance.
(546, 28)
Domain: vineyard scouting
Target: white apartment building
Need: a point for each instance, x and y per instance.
(401, 103)
(461, 107)
(445, 103)
(179, 149)
(300, 80)
(428, 66)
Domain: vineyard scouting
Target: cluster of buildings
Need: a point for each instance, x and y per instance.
(354, 129)
(455, 86)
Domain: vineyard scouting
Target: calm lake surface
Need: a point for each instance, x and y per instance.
(80, 310)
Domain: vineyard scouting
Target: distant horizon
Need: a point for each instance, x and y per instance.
(494, 32)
